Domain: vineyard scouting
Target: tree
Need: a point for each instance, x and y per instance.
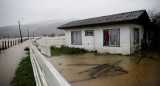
(62, 34)
(44, 35)
(52, 35)
(154, 16)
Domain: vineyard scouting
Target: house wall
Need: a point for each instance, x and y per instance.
(96, 42)
(124, 47)
(87, 41)
(141, 32)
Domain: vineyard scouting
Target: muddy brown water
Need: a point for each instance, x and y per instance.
(146, 73)
(9, 60)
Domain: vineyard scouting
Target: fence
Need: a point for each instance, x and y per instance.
(6, 43)
(44, 72)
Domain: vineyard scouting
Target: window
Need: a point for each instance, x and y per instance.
(89, 33)
(76, 38)
(112, 37)
(136, 35)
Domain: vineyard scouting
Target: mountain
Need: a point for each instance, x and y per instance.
(38, 28)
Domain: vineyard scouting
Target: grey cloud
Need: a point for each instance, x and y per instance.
(42, 10)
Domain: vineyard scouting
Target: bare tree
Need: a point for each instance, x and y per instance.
(62, 34)
(28, 33)
(33, 35)
(52, 35)
(20, 29)
(44, 35)
(154, 16)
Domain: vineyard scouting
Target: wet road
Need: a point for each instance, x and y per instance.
(9, 60)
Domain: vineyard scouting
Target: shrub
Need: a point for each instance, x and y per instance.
(24, 73)
(67, 50)
(26, 49)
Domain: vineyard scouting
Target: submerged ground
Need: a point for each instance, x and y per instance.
(9, 60)
(146, 73)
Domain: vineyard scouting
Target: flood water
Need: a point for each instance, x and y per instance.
(146, 73)
(9, 60)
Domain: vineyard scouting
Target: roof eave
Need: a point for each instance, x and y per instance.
(98, 24)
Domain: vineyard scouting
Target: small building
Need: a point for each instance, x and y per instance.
(116, 34)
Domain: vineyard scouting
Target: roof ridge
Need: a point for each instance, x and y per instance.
(125, 16)
(111, 15)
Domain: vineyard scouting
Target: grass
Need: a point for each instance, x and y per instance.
(26, 49)
(66, 50)
(24, 73)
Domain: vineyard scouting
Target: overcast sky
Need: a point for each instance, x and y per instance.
(43, 10)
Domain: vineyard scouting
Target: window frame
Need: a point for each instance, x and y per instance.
(118, 45)
(76, 38)
(87, 31)
(135, 42)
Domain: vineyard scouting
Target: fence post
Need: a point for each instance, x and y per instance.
(11, 43)
(2, 45)
(8, 44)
(5, 45)
(0, 48)
(15, 42)
(18, 41)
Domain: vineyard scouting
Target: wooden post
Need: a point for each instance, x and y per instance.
(2, 45)
(5, 45)
(8, 44)
(18, 41)
(15, 42)
(0, 48)
(11, 43)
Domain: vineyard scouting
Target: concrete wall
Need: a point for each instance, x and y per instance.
(51, 41)
(45, 50)
(96, 42)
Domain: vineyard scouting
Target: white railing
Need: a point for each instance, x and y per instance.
(44, 72)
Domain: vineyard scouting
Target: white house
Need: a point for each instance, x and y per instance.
(126, 30)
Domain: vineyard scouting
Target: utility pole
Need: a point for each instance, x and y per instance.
(28, 33)
(15, 36)
(8, 35)
(33, 35)
(20, 29)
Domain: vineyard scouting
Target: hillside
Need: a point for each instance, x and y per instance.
(38, 28)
